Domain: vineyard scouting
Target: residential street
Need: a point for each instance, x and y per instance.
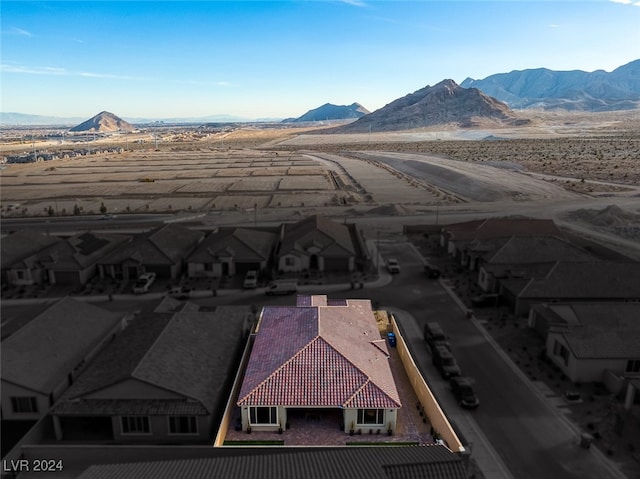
(528, 434)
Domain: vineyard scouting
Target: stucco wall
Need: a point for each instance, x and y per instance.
(435, 414)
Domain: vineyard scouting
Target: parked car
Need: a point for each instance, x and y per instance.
(431, 271)
(144, 282)
(444, 361)
(462, 388)
(485, 300)
(250, 279)
(180, 292)
(393, 266)
(434, 335)
(282, 287)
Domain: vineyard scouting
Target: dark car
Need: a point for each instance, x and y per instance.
(485, 300)
(431, 271)
(445, 362)
(462, 388)
(434, 335)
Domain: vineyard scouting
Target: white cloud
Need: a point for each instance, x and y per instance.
(18, 31)
(625, 2)
(56, 71)
(554, 25)
(355, 3)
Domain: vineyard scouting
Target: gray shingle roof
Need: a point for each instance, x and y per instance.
(45, 350)
(538, 249)
(167, 245)
(246, 245)
(23, 244)
(330, 237)
(417, 462)
(503, 227)
(598, 279)
(190, 354)
(597, 330)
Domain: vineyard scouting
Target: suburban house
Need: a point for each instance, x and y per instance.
(71, 261)
(15, 251)
(165, 379)
(44, 357)
(586, 339)
(161, 251)
(321, 357)
(459, 237)
(581, 281)
(318, 244)
(505, 257)
(433, 461)
(232, 251)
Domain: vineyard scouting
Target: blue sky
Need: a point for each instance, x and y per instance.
(257, 59)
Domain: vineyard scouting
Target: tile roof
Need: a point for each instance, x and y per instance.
(43, 352)
(597, 330)
(319, 356)
(22, 244)
(597, 279)
(332, 239)
(190, 354)
(166, 245)
(424, 462)
(243, 244)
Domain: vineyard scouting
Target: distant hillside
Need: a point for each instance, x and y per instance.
(444, 103)
(571, 90)
(103, 121)
(13, 118)
(329, 111)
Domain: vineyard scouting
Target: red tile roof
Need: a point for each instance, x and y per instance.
(324, 356)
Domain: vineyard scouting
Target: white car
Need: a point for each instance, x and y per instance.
(393, 266)
(144, 282)
(250, 279)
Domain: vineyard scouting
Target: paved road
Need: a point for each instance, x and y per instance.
(531, 438)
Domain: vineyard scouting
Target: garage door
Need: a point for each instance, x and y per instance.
(336, 264)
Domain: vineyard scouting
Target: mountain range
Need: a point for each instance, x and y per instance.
(570, 90)
(329, 111)
(444, 103)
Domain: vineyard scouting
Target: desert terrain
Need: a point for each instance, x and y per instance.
(567, 166)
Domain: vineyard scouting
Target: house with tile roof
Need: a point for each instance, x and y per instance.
(71, 261)
(602, 281)
(318, 356)
(18, 247)
(586, 339)
(161, 251)
(433, 461)
(318, 244)
(165, 379)
(231, 251)
(44, 357)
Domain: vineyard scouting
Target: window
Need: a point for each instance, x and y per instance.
(20, 274)
(633, 366)
(263, 415)
(371, 416)
(24, 404)
(560, 350)
(208, 266)
(288, 261)
(135, 425)
(183, 425)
